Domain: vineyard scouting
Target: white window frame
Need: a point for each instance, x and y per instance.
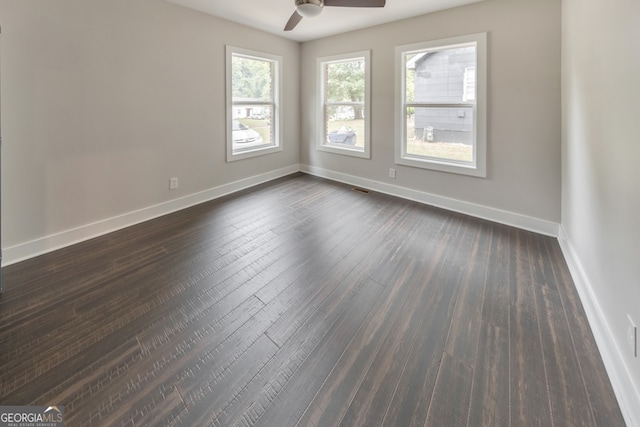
(274, 104)
(478, 166)
(322, 144)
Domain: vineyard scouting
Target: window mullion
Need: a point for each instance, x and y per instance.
(250, 103)
(346, 103)
(439, 105)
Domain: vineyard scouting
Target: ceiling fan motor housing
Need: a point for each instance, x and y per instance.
(309, 8)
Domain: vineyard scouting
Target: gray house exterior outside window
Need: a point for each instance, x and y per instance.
(446, 76)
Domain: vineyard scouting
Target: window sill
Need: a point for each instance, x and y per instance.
(443, 166)
(256, 152)
(360, 152)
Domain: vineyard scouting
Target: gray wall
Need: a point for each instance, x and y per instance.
(104, 100)
(601, 177)
(523, 104)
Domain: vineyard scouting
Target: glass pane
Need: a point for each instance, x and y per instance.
(345, 126)
(441, 133)
(345, 81)
(251, 127)
(251, 79)
(441, 76)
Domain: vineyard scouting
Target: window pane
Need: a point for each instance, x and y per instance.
(442, 133)
(252, 79)
(251, 127)
(345, 126)
(254, 90)
(345, 81)
(344, 104)
(441, 76)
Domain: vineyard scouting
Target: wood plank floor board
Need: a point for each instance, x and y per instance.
(282, 369)
(179, 354)
(489, 404)
(90, 284)
(222, 391)
(82, 359)
(303, 302)
(211, 365)
(423, 239)
(385, 364)
(338, 241)
(560, 364)
(413, 390)
(293, 399)
(397, 366)
(60, 340)
(602, 402)
(309, 294)
(110, 329)
(105, 322)
(530, 401)
(339, 389)
(557, 346)
(260, 393)
(467, 316)
(450, 402)
(329, 209)
(497, 297)
(335, 395)
(87, 257)
(82, 384)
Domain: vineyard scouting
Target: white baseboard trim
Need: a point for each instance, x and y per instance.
(626, 391)
(496, 215)
(79, 234)
(65, 238)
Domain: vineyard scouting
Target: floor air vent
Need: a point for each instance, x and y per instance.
(361, 190)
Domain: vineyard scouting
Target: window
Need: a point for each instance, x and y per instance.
(253, 97)
(441, 105)
(343, 91)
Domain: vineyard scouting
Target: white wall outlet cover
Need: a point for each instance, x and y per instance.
(173, 183)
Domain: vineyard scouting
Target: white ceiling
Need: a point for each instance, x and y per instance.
(272, 15)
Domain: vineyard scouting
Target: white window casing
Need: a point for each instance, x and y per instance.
(254, 120)
(344, 140)
(450, 93)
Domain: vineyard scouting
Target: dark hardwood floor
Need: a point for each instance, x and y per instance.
(303, 302)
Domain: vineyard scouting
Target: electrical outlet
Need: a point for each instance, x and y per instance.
(632, 336)
(173, 183)
(392, 173)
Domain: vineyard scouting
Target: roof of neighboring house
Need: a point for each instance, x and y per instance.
(411, 64)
